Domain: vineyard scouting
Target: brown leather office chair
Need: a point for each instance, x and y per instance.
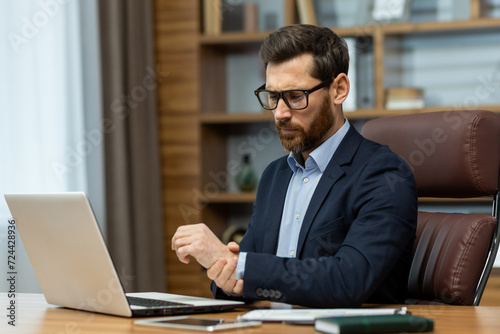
(453, 154)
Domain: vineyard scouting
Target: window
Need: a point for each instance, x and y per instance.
(49, 88)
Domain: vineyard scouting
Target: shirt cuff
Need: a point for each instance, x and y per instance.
(240, 267)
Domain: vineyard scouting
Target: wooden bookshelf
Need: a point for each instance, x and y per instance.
(195, 120)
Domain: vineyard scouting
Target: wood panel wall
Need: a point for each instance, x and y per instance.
(176, 33)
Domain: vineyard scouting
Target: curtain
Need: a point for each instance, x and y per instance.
(133, 190)
(45, 72)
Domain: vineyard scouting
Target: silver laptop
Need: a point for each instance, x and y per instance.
(72, 264)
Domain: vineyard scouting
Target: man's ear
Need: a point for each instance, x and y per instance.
(341, 87)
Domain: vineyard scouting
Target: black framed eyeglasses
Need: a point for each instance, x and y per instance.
(296, 99)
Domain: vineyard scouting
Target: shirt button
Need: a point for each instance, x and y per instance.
(306, 180)
(292, 253)
(297, 216)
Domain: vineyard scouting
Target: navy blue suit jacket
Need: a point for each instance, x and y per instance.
(356, 240)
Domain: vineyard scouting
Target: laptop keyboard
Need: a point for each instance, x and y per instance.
(154, 303)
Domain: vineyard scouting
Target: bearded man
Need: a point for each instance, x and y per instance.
(333, 222)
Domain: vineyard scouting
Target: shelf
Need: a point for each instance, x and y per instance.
(223, 118)
(232, 198)
(413, 28)
(366, 30)
(234, 38)
(372, 113)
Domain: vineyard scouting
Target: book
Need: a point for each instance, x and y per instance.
(405, 104)
(212, 17)
(306, 12)
(374, 324)
(404, 92)
(233, 17)
(251, 17)
(404, 98)
(394, 10)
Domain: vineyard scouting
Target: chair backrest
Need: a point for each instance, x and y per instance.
(452, 154)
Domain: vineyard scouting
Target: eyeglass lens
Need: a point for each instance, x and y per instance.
(295, 99)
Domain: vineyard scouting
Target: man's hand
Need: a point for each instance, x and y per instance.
(233, 247)
(199, 242)
(223, 272)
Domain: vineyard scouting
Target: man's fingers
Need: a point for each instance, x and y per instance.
(185, 247)
(179, 241)
(183, 253)
(199, 242)
(184, 231)
(223, 273)
(179, 233)
(229, 271)
(233, 247)
(238, 288)
(214, 271)
(227, 278)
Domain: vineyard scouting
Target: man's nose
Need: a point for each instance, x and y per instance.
(282, 111)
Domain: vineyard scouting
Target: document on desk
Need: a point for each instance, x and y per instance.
(308, 316)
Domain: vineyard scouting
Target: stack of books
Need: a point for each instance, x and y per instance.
(404, 98)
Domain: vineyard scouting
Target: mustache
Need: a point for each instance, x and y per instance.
(287, 125)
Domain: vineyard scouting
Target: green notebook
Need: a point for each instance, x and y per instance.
(374, 324)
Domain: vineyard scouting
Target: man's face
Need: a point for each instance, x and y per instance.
(300, 130)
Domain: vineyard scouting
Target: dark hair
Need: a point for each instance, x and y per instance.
(329, 51)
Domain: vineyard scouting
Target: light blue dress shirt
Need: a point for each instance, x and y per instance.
(300, 191)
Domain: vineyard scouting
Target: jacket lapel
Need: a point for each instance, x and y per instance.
(334, 171)
(276, 211)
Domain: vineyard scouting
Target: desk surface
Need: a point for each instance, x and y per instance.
(34, 315)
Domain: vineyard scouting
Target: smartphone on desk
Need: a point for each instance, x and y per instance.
(202, 324)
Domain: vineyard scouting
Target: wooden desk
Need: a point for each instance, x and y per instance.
(34, 315)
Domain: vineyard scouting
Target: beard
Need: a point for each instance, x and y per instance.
(306, 140)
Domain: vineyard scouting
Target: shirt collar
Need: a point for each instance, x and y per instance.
(322, 155)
